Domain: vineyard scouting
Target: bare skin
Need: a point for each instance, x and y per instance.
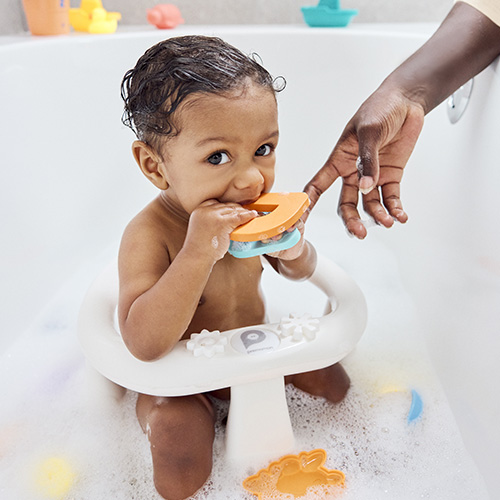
(181, 433)
(385, 129)
(177, 278)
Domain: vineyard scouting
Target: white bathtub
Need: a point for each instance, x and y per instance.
(68, 185)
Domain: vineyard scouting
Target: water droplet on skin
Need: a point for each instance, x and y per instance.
(359, 164)
(215, 242)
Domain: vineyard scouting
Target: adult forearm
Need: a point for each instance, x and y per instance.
(465, 43)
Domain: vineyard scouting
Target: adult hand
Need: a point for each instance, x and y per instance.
(370, 156)
(385, 129)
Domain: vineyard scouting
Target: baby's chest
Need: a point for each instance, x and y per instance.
(231, 299)
(233, 281)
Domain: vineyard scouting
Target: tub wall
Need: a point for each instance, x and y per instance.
(68, 185)
(248, 11)
(449, 259)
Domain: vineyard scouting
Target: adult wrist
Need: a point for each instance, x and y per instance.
(465, 43)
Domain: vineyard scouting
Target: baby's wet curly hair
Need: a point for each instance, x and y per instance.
(175, 68)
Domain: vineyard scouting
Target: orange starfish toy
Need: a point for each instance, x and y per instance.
(293, 474)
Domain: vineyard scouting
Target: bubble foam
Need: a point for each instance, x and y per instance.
(366, 436)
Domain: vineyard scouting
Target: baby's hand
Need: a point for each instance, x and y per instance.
(295, 251)
(211, 224)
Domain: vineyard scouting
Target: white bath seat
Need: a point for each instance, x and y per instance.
(253, 361)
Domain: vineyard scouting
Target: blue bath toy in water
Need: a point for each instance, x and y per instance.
(327, 14)
(416, 408)
(417, 403)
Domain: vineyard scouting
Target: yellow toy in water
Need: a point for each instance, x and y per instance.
(91, 17)
(293, 475)
(54, 477)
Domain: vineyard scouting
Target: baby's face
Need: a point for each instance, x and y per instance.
(225, 149)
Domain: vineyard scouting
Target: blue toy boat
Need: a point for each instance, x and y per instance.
(327, 14)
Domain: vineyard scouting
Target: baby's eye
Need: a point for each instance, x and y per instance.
(218, 158)
(264, 150)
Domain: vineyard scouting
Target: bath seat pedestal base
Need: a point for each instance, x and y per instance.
(258, 425)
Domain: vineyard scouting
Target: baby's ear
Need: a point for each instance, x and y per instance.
(149, 162)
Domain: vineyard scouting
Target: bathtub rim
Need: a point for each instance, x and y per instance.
(397, 30)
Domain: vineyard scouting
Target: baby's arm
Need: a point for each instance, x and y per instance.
(159, 297)
(296, 263)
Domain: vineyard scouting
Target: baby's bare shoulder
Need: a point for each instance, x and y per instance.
(146, 234)
(149, 223)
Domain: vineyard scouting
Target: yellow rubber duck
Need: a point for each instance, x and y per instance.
(91, 17)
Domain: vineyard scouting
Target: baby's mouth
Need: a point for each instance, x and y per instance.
(245, 202)
(249, 201)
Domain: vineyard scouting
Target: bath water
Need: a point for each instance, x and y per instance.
(44, 413)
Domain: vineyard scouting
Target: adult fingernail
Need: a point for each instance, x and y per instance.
(366, 184)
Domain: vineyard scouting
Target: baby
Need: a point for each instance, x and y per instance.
(206, 120)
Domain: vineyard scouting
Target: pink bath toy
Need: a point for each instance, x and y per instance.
(165, 16)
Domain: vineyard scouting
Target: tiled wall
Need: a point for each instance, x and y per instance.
(248, 11)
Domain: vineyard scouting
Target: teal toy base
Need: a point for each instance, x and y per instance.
(245, 249)
(326, 17)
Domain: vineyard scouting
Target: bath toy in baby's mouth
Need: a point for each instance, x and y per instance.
(293, 475)
(269, 232)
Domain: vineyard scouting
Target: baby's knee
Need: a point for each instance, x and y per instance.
(190, 418)
(181, 433)
(331, 383)
(171, 413)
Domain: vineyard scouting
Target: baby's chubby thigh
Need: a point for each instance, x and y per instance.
(181, 434)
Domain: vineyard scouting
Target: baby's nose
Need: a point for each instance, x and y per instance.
(249, 178)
